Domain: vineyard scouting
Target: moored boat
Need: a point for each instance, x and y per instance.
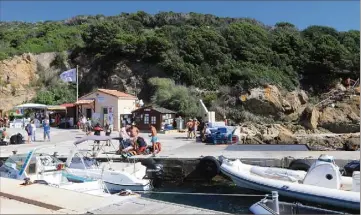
(127, 175)
(323, 183)
(46, 169)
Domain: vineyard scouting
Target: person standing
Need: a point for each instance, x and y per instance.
(46, 127)
(195, 127)
(189, 127)
(33, 127)
(28, 130)
(154, 139)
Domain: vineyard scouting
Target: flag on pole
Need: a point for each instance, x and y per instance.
(69, 75)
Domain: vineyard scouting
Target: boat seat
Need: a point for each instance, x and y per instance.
(276, 173)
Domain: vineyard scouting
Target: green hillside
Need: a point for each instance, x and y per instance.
(198, 50)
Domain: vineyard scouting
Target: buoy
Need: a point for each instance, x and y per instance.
(209, 167)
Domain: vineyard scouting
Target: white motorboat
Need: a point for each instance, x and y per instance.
(271, 206)
(127, 176)
(46, 169)
(323, 183)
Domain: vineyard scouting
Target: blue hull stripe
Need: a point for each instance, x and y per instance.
(77, 178)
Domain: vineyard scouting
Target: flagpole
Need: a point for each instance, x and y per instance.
(77, 83)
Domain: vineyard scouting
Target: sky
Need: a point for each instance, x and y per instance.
(342, 15)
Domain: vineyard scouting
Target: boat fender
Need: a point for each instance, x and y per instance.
(300, 164)
(209, 167)
(41, 182)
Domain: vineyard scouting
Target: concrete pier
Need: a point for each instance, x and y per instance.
(43, 199)
(180, 156)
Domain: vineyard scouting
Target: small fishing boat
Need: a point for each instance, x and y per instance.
(323, 183)
(127, 176)
(271, 206)
(45, 169)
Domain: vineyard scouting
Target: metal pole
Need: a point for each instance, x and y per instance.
(77, 83)
(276, 206)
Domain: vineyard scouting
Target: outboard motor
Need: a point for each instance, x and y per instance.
(352, 166)
(154, 172)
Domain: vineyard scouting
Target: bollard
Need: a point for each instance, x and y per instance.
(276, 206)
(14, 152)
(55, 154)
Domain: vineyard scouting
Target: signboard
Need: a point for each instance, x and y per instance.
(101, 99)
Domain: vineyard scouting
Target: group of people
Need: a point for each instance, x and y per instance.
(192, 126)
(30, 129)
(130, 141)
(84, 124)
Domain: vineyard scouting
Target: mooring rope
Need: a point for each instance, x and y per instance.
(204, 194)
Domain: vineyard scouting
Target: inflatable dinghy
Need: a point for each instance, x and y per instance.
(322, 183)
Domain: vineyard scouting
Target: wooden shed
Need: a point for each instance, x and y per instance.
(153, 115)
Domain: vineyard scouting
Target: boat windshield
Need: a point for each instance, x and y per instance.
(17, 161)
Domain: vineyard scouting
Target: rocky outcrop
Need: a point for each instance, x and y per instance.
(341, 117)
(18, 77)
(266, 134)
(269, 101)
(280, 134)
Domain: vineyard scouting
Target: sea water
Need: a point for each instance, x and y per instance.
(227, 204)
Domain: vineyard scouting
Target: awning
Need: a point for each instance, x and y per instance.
(68, 105)
(56, 107)
(84, 102)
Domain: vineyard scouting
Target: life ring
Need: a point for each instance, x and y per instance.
(209, 167)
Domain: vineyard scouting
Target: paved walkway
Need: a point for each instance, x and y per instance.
(63, 140)
(174, 146)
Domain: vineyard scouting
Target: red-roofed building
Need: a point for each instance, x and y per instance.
(105, 105)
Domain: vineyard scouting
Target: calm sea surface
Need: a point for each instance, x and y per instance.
(228, 204)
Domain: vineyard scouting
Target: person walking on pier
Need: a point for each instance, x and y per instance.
(46, 127)
(33, 127)
(29, 131)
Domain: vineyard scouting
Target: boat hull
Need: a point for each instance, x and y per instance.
(338, 202)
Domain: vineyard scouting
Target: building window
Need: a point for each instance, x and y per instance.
(146, 118)
(153, 120)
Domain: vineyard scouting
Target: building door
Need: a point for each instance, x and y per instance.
(88, 113)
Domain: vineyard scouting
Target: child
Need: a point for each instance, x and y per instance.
(154, 140)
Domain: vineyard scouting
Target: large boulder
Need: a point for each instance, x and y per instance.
(309, 118)
(265, 101)
(269, 101)
(277, 134)
(342, 117)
